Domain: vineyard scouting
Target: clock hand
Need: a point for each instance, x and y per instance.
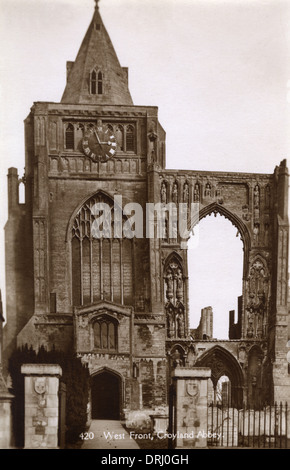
(97, 136)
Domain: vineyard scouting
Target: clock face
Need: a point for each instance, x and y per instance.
(99, 143)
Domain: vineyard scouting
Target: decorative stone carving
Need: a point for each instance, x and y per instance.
(256, 204)
(175, 193)
(186, 193)
(242, 355)
(192, 388)
(174, 291)
(177, 357)
(256, 232)
(219, 197)
(245, 212)
(83, 321)
(207, 191)
(40, 385)
(196, 193)
(163, 193)
(258, 286)
(174, 283)
(152, 141)
(64, 164)
(191, 356)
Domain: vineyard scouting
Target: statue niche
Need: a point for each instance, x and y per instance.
(258, 287)
(174, 299)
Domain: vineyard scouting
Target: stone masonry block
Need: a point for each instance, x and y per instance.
(53, 421)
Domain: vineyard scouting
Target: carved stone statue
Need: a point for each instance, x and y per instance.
(196, 196)
(152, 138)
(185, 193)
(175, 193)
(163, 193)
(169, 282)
(256, 231)
(180, 324)
(251, 318)
(179, 290)
(207, 191)
(256, 196)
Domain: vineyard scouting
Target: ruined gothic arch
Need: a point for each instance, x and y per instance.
(222, 362)
(216, 208)
(236, 330)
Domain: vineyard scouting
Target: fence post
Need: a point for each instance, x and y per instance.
(191, 406)
(41, 385)
(6, 398)
(62, 415)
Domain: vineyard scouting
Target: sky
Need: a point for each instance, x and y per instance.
(218, 70)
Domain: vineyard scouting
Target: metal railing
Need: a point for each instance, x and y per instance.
(266, 427)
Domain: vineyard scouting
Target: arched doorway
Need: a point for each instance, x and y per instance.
(106, 395)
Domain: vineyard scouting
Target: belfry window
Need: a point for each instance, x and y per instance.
(100, 83)
(105, 335)
(96, 85)
(69, 137)
(93, 82)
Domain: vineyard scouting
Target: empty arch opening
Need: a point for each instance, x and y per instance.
(215, 269)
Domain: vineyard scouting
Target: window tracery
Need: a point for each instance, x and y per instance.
(105, 334)
(102, 267)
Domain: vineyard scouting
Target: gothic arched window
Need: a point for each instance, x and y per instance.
(69, 137)
(96, 83)
(105, 334)
(100, 83)
(102, 264)
(93, 83)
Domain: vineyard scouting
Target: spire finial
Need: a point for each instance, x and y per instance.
(97, 4)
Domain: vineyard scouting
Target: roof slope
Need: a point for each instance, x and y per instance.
(96, 53)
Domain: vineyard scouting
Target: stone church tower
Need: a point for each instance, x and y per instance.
(121, 303)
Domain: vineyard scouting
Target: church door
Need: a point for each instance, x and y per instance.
(106, 393)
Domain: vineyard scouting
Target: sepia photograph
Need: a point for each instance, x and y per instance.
(144, 228)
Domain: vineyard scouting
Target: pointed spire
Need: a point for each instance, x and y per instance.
(96, 76)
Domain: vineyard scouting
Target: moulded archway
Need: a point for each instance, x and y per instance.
(222, 362)
(216, 208)
(215, 255)
(106, 395)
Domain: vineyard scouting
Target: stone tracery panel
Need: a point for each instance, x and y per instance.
(174, 289)
(257, 299)
(102, 267)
